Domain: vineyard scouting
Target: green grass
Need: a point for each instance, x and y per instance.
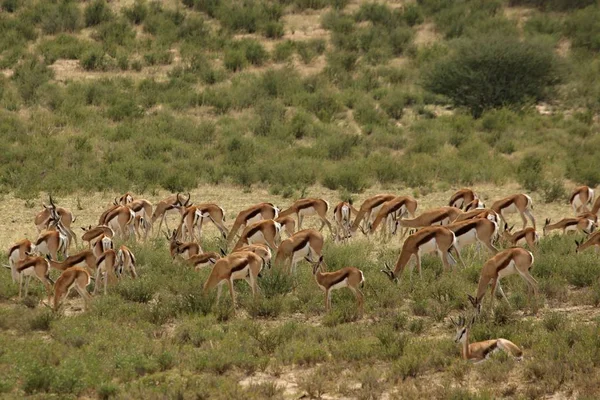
(172, 336)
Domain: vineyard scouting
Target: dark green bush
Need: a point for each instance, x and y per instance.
(553, 5)
(583, 28)
(97, 12)
(137, 12)
(29, 76)
(492, 72)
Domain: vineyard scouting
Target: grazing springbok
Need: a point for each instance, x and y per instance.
(592, 241)
(165, 206)
(517, 203)
(368, 211)
(265, 231)
(34, 266)
(515, 260)
(429, 239)
(239, 265)
(91, 235)
(581, 198)
(462, 197)
(72, 278)
(528, 234)
(185, 250)
(257, 212)
(307, 243)
(307, 207)
(392, 211)
(571, 225)
(480, 351)
(342, 215)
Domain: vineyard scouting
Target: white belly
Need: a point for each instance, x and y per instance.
(305, 212)
(509, 270)
(510, 209)
(256, 218)
(428, 247)
(374, 212)
(42, 248)
(301, 253)
(571, 228)
(257, 237)
(467, 238)
(241, 274)
(340, 285)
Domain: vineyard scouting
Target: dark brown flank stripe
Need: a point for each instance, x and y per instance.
(41, 238)
(240, 266)
(102, 257)
(252, 231)
(573, 195)
(466, 228)
(139, 207)
(336, 209)
(111, 214)
(186, 246)
(572, 221)
(340, 278)
(519, 235)
(301, 245)
(12, 249)
(455, 197)
(397, 206)
(504, 264)
(426, 238)
(490, 349)
(378, 202)
(76, 258)
(306, 204)
(503, 204)
(27, 264)
(440, 218)
(253, 213)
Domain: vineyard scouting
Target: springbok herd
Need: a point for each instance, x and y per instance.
(445, 230)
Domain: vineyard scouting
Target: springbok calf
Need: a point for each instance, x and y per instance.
(65, 217)
(581, 197)
(186, 250)
(239, 265)
(349, 277)
(257, 212)
(17, 252)
(91, 235)
(85, 258)
(265, 231)
(517, 203)
(307, 243)
(515, 260)
(592, 241)
(307, 207)
(163, 207)
(437, 216)
(125, 261)
(462, 197)
(392, 211)
(480, 351)
(582, 224)
(72, 278)
(342, 214)
(528, 234)
(426, 240)
(368, 210)
(34, 266)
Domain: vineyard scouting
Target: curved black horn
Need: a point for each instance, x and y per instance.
(188, 199)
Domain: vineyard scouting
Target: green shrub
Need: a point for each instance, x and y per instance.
(93, 60)
(63, 16)
(553, 5)
(491, 72)
(29, 76)
(283, 51)
(529, 172)
(582, 27)
(137, 12)
(234, 59)
(96, 13)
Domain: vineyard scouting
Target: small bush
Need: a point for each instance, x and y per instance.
(529, 172)
(137, 12)
(96, 13)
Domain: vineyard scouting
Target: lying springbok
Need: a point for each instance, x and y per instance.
(480, 351)
(581, 197)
